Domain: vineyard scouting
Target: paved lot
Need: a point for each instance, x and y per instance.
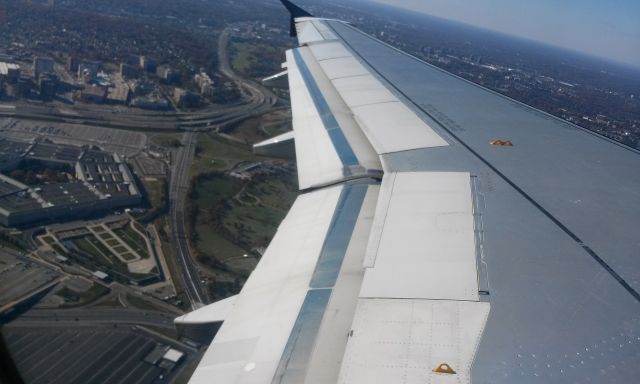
(112, 140)
(20, 276)
(87, 355)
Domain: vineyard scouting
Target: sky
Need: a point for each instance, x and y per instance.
(605, 28)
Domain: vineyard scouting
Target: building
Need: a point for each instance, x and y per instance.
(155, 103)
(21, 88)
(93, 94)
(127, 71)
(173, 355)
(148, 64)
(118, 93)
(101, 276)
(88, 70)
(142, 87)
(9, 72)
(42, 65)
(184, 98)
(102, 182)
(133, 60)
(47, 84)
(72, 64)
(205, 84)
(168, 75)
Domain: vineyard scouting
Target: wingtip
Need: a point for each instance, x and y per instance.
(294, 10)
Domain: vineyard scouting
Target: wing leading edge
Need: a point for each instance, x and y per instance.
(417, 252)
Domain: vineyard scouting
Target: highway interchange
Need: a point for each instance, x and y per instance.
(256, 100)
(260, 101)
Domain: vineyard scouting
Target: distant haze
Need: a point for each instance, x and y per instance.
(609, 29)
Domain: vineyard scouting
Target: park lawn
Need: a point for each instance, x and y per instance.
(133, 239)
(48, 240)
(218, 249)
(167, 140)
(209, 192)
(243, 56)
(277, 193)
(105, 235)
(249, 58)
(251, 218)
(120, 249)
(127, 256)
(74, 298)
(216, 154)
(113, 242)
(257, 218)
(89, 247)
(212, 189)
(156, 191)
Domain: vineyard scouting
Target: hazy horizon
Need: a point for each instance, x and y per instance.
(604, 30)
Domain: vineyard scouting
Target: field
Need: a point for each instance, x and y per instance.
(134, 240)
(74, 298)
(233, 218)
(157, 194)
(116, 246)
(216, 154)
(254, 60)
(166, 140)
(262, 127)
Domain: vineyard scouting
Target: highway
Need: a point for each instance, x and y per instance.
(179, 238)
(95, 315)
(256, 100)
(260, 100)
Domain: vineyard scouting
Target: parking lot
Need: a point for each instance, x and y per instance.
(112, 140)
(20, 276)
(88, 354)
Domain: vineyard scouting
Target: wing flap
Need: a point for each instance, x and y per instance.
(427, 237)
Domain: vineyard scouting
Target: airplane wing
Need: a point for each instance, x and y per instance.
(444, 233)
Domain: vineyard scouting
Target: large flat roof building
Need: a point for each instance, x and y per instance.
(102, 182)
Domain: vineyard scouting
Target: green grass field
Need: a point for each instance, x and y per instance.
(133, 239)
(251, 59)
(92, 246)
(216, 154)
(167, 140)
(74, 298)
(88, 244)
(249, 213)
(156, 190)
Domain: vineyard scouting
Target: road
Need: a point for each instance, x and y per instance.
(260, 100)
(177, 193)
(94, 315)
(256, 100)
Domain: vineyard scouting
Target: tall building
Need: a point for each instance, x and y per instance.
(42, 65)
(127, 71)
(48, 83)
(87, 70)
(168, 75)
(148, 64)
(9, 72)
(72, 64)
(205, 84)
(133, 60)
(185, 98)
